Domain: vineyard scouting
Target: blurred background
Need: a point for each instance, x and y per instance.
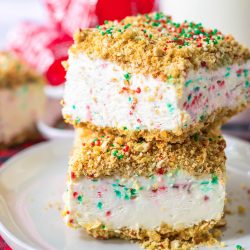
(52, 22)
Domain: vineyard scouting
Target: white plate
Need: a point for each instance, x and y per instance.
(31, 187)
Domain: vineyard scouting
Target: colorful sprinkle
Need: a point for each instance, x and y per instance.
(80, 198)
(239, 247)
(127, 76)
(108, 213)
(214, 179)
(99, 205)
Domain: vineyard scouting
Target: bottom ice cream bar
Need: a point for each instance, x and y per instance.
(174, 205)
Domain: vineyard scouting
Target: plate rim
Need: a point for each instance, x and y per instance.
(10, 238)
(4, 232)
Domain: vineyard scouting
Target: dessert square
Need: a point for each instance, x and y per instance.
(148, 76)
(21, 100)
(132, 190)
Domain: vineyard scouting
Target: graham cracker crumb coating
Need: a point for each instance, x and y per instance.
(97, 154)
(215, 119)
(163, 238)
(14, 72)
(156, 45)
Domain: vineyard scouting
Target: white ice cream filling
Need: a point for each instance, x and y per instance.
(97, 91)
(176, 199)
(20, 108)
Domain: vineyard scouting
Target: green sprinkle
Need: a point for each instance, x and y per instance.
(150, 36)
(126, 197)
(214, 179)
(77, 120)
(80, 198)
(189, 97)
(133, 191)
(157, 16)
(239, 247)
(127, 25)
(170, 108)
(125, 128)
(130, 99)
(115, 153)
(196, 137)
(245, 71)
(156, 24)
(118, 193)
(202, 118)
(73, 106)
(127, 76)
(103, 226)
(99, 205)
(187, 83)
(204, 182)
(247, 84)
(197, 88)
(106, 21)
(120, 157)
(214, 32)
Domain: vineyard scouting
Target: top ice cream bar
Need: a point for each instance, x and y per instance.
(149, 76)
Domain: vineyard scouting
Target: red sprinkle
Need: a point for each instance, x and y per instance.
(206, 198)
(160, 171)
(139, 120)
(99, 194)
(75, 194)
(203, 64)
(239, 72)
(73, 175)
(108, 213)
(92, 144)
(67, 212)
(98, 142)
(163, 188)
(126, 148)
(71, 221)
(138, 90)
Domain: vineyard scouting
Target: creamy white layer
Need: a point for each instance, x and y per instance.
(97, 91)
(20, 108)
(177, 199)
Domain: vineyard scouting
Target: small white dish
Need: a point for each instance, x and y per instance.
(49, 132)
(31, 187)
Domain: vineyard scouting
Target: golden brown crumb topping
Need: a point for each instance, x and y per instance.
(14, 72)
(156, 45)
(97, 154)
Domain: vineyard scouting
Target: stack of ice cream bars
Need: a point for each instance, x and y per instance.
(147, 97)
